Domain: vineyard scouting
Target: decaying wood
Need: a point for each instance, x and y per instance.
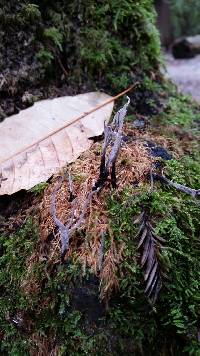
(186, 47)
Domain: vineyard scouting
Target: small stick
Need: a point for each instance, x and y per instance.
(73, 223)
(193, 192)
(101, 250)
(151, 180)
(113, 137)
(71, 188)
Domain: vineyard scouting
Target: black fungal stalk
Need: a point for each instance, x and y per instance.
(113, 137)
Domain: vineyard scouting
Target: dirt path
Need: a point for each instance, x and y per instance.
(186, 74)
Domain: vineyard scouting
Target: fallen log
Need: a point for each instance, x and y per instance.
(186, 47)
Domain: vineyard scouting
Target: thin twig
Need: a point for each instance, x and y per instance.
(193, 192)
(66, 230)
(151, 180)
(62, 66)
(101, 250)
(71, 188)
(112, 137)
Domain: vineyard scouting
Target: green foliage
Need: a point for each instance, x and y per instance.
(180, 111)
(39, 188)
(185, 17)
(55, 36)
(45, 57)
(30, 12)
(15, 250)
(176, 218)
(100, 42)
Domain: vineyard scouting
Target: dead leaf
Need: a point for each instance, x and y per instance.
(40, 140)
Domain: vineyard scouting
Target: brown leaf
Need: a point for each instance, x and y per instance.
(40, 140)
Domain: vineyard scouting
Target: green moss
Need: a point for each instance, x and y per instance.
(39, 188)
(185, 171)
(29, 317)
(180, 110)
(14, 252)
(103, 42)
(55, 36)
(176, 219)
(184, 21)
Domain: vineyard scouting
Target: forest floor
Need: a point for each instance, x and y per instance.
(95, 301)
(185, 73)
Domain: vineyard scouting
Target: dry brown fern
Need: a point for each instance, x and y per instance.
(150, 245)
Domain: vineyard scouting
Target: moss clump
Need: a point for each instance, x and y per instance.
(13, 270)
(184, 21)
(81, 46)
(176, 314)
(181, 111)
(39, 188)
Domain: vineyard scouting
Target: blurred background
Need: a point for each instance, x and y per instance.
(179, 25)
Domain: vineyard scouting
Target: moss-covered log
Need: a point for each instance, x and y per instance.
(50, 48)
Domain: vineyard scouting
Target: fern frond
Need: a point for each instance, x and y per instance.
(150, 246)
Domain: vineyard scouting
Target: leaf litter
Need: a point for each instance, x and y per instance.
(86, 244)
